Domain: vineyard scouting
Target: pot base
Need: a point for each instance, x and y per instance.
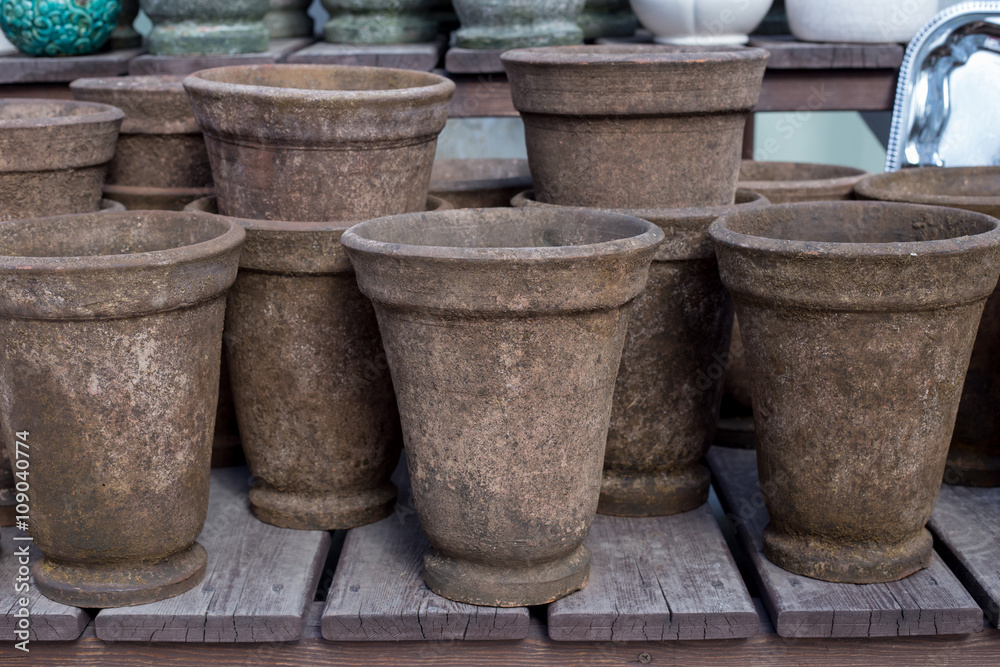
(123, 583)
(654, 494)
(971, 468)
(850, 563)
(705, 40)
(479, 584)
(553, 33)
(379, 28)
(309, 512)
(188, 38)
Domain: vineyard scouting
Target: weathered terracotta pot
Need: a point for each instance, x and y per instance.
(380, 21)
(669, 385)
(487, 183)
(858, 320)
(665, 132)
(288, 18)
(112, 330)
(974, 458)
(206, 27)
(607, 18)
(515, 24)
(319, 142)
(160, 161)
(312, 390)
(503, 329)
(53, 156)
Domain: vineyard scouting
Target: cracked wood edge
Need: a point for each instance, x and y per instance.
(929, 602)
(258, 584)
(654, 579)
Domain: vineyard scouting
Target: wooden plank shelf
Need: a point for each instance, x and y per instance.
(654, 579)
(929, 602)
(277, 52)
(966, 524)
(422, 57)
(788, 53)
(473, 61)
(258, 586)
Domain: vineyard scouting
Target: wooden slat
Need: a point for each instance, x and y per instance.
(787, 53)
(422, 57)
(931, 601)
(473, 61)
(663, 578)
(966, 523)
(19, 68)
(49, 621)
(257, 588)
(806, 90)
(277, 51)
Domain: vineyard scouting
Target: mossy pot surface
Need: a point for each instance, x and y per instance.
(516, 24)
(380, 21)
(206, 27)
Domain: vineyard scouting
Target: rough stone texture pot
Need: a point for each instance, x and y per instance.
(669, 383)
(974, 458)
(288, 18)
(607, 18)
(665, 132)
(53, 156)
(515, 24)
(161, 161)
(206, 27)
(701, 22)
(380, 21)
(503, 329)
(112, 330)
(58, 27)
(872, 21)
(320, 142)
(472, 183)
(124, 35)
(858, 320)
(311, 385)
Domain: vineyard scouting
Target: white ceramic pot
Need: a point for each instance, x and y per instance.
(701, 22)
(867, 21)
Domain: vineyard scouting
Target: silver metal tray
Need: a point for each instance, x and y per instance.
(947, 110)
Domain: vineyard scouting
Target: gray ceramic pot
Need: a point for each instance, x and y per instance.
(515, 24)
(380, 21)
(206, 27)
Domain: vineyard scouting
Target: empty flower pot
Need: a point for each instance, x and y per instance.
(515, 24)
(974, 458)
(607, 18)
(473, 183)
(160, 162)
(380, 21)
(54, 155)
(665, 131)
(288, 18)
(701, 22)
(112, 330)
(206, 27)
(861, 21)
(503, 330)
(313, 396)
(858, 320)
(669, 385)
(319, 142)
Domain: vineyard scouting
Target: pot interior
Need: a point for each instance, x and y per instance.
(794, 171)
(321, 77)
(107, 234)
(503, 228)
(858, 222)
(21, 110)
(934, 181)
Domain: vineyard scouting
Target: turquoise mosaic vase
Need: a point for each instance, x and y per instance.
(58, 27)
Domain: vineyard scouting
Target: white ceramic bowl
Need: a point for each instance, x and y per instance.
(701, 22)
(866, 21)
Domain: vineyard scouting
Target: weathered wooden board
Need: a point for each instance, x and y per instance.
(378, 591)
(277, 52)
(787, 53)
(657, 579)
(966, 523)
(48, 620)
(20, 68)
(929, 602)
(422, 57)
(257, 588)
(473, 61)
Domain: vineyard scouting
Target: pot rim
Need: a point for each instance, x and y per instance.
(723, 235)
(846, 176)
(878, 187)
(100, 113)
(637, 55)
(751, 200)
(650, 237)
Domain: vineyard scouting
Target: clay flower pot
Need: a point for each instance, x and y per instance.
(380, 21)
(121, 436)
(873, 21)
(701, 22)
(288, 18)
(313, 395)
(607, 18)
(319, 142)
(858, 320)
(665, 132)
(58, 27)
(503, 329)
(206, 27)
(473, 183)
(53, 156)
(515, 24)
(160, 161)
(667, 395)
(974, 458)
